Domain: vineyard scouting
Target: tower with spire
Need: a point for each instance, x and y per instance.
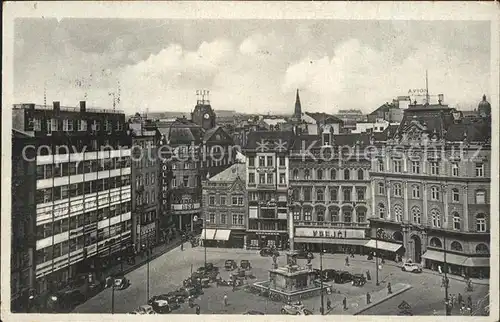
(297, 114)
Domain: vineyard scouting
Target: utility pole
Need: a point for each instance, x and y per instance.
(376, 257)
(148, 250)
(445, 268)
(205, 238)
(322, 310)
(113, 296)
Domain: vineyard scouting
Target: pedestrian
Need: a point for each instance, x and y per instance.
(197, 310)
(440, 270)
(347, 261)
(368, 276)
(182, 246)
(443, 282)
(225, 300)
(447, 282)
(344, 301)
(328, 304)
(469, 302)
(389, 288)
(368, 298)
(460, 299)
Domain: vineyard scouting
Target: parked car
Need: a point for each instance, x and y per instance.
(341, 277)
(145, 309)
(65, 300)
(295, 309)
(230, 264)
(163, 299)
(411, 267)
(358, 279)
(245, 264)
(253, 312)
(268, 252)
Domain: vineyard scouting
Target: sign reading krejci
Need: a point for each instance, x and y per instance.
(329, 233)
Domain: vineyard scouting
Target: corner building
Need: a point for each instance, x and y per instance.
(431, 189)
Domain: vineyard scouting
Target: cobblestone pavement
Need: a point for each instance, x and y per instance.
(168, 271)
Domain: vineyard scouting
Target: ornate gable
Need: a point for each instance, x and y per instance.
(237, 186)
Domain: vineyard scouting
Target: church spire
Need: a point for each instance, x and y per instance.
(298, 108)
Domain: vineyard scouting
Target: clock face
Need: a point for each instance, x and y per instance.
(206, 116)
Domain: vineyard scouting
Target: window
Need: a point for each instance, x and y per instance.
(334, 215)
(68, 125)
(346, 174)
(381, 188)
(270, 177)
(282, 178)
(481, 223)
(380, 165)
(415, 167)
(320, 195)
(82, 125)
(240, 219)
(436, 242)
(436, 218)
(54, 125)
(416, 215)
(262, 178)
(435, 193)
(455, 195)
(211, 218)
(415, 191)
(223, 219)
(282, 161)
(251, 178)
(397, 190)
(319, 174)
(333, 194)
(240, 201)
(360, 194)
(480, 197)
(262, 161)
(251, 161)
(223, 200)
(295, 194)
(435, 168)
(396, 166)
(398, 213)
(295, 174)
(454, 169)
(482, 249)
(174, 182)
(307, 214)
(456, 221)
(381, 210)
(361, 214)
(307, 194)
(479, 169)
(185, 181)
(320, 214)
(296, 214)
(211, 200)
(456, 246)
(269, 161)
(347, 216)
(37, 125)
(361, 174)
(333, 174)
(234, 200)
(307, 174)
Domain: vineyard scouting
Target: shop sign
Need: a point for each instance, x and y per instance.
(329, 233)
(186, 206)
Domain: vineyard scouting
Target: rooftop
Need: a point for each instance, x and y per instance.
(26, 106)
(231, 173)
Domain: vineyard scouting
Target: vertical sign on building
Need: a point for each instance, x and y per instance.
(164, 180)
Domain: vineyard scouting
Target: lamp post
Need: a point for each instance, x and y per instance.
(148, 249)
(113, 296)
(445, 268)
(322, 309)
(376, 257)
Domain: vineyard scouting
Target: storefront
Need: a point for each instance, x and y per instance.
(333, 241)
(457, 264)
(237, 239)
(263, 239)
(208, 237)
(387, 250)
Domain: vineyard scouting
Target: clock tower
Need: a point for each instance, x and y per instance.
(203, 114)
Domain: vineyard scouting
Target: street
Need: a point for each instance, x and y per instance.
(169, 270)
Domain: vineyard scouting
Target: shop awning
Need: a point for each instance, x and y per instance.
(477, 262)
(208, 233)
(222, 234)
(439, 257)
(336, 241)
(383, 245)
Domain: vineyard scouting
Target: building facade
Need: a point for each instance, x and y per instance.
(225, 208)
(267, 186)
(329, 192)
(431, 190)
(81, 211)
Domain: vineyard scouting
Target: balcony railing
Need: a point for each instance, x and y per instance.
(331, 224)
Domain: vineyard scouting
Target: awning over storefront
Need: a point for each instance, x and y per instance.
(439, 257)
(222, 234)
(383, 245)
(337, 241)
(477, 262)
(209, 234)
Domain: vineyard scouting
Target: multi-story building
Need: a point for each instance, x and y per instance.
(431, 189)
(218, 152)
(267, 185)
(145, 187)
(78, 199)
(225, 208)
(329, 184)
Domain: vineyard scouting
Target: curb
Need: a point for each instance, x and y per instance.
(404, 289)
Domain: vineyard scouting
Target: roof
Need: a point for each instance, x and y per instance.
(274, 121)
(386, 133)
(338, 140)
(231, 173)
(478, 131)
(324, 118)
(384, 108)
(182, 131)
(278, 141)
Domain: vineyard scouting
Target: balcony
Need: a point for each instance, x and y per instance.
(266, 186)
(328, 224)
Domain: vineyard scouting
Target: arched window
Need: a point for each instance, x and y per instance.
(436, 242)
(416, 215)
(334, 194)
(307, 214)
(480, 222)
(361, 174)
(334, 214)
(296, 194)
(319, 174)
(381, 210)
(434, 193)
(480, 197)
(307, 174)
(295, 174)
(346, 174)
(398, 213)
(436, 218)
(397, 190)
(320, 194)
(296, 214)
(482, 249)
(455, 195)
(415, 191)
(347, 215)
(320, 214)
(456, 246)
(381, 188)
(456, 221)
(333, 174)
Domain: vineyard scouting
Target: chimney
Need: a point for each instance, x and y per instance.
(440, 98)
(57, 107)
(83, 107)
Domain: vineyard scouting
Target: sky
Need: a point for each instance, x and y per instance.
(252, 66)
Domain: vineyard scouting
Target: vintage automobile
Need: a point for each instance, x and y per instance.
(245, 264)
(341, 277)
(230, 265)
(253, 312)
(358, 279)
(209, 267)
(145, 309)
(120, 282)
(411, 267)
(159, 302)
(266, 252)
(179, 296)
(65, 300)
(295, 309)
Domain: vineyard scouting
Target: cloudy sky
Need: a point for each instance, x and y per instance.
(248, 65)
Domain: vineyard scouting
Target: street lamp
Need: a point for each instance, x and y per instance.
(322, 310)
(446, 300)
(376, 256)
(113, 296)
